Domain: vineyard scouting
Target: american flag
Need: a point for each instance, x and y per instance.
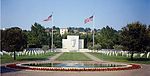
(88, 19)
(49, 18)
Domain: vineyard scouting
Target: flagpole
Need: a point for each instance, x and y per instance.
(52, 34)
(93, 23)
(93, 31)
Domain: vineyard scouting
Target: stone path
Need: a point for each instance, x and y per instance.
(92, 57)
(99, 60)
(55, 57)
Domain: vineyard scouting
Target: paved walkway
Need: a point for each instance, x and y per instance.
(99, 60)
(92, 57)
(55, 57)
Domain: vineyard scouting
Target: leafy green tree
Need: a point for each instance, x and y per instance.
(64, 36)
(87, 29)
(13, 39)
(97, 47)
(45, 48)
(38, 36)
(80, 29)
(118, 47)
(107, 37)
(57, 40)
(84, 36)
(90, 47)
(135, 38)
(148, 47)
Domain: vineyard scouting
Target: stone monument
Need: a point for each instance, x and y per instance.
(73, 43)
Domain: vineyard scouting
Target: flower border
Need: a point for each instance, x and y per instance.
(128, 67)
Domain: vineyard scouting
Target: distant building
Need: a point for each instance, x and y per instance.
(49, 30)
(82, 32)
(75, 31)
(63, 31)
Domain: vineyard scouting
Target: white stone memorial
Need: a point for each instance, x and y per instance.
(73, 43)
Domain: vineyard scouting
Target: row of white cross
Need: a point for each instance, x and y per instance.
(123, 53)
(25, 52)
(37, 51)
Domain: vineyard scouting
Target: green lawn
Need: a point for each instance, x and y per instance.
(7, 59)
(121, 58)
(73, 56)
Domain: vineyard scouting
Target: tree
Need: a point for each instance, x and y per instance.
(89, 39)
(90, 47)
(148, 47)
(85, 37)
(135, 38)
(97, 47)
(107, 37)
(38, 36)
(45, 48)
(118, 47)
(57, 40)
(87, 29)
(13, 39)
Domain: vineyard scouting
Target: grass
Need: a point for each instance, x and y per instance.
(7, 59)
(121, 58)
(73, 56)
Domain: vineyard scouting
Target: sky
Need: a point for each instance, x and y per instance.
(72, 13)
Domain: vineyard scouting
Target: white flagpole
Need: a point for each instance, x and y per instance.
(52, 34)
(93, 31)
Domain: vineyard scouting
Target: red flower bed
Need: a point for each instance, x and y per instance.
(132, 66)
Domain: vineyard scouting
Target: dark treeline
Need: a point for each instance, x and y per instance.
(134, 37)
